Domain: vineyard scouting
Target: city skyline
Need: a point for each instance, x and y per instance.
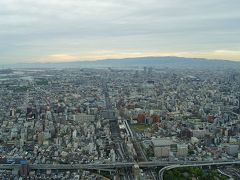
(145, 123)
(59, 31)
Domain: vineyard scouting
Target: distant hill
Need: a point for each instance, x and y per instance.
(165, 62)
(168, 60)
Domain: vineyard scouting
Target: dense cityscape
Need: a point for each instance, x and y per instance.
(109, 123)
(119, 90)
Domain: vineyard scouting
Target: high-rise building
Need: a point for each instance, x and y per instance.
(239, 104)
(136, 172)
(40, 138)
(12, 112)
(74, 134)
(182, 150)
(24, 169)
(113, 155)
(145, 70)
(233, 149)
(150, 69)
(141, 118)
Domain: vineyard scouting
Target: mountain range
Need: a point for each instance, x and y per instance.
(164, 62)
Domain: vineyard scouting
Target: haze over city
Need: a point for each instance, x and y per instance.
(72, 30)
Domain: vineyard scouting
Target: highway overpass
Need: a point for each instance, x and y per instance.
(147, 164)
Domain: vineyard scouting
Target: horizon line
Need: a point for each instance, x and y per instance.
(105, 59)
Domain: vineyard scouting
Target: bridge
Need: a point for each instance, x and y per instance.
(119, 165)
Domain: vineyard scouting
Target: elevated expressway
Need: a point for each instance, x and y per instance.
(118, 165)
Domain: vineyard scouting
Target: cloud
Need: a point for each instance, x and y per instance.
(31, 30)
(113, 54)
(59, 58)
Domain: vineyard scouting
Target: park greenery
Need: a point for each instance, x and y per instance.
(140, 127)
(189, 173)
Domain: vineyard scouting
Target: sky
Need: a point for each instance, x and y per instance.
(71, 30)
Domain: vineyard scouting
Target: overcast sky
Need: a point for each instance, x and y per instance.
(69, 30)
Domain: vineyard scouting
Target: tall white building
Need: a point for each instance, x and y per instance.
(113, 155)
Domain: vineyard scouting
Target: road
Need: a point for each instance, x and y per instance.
(115, 135)
(230, 172)
(161, 172)
(148, 164)
(140, 153)
(223, 173)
